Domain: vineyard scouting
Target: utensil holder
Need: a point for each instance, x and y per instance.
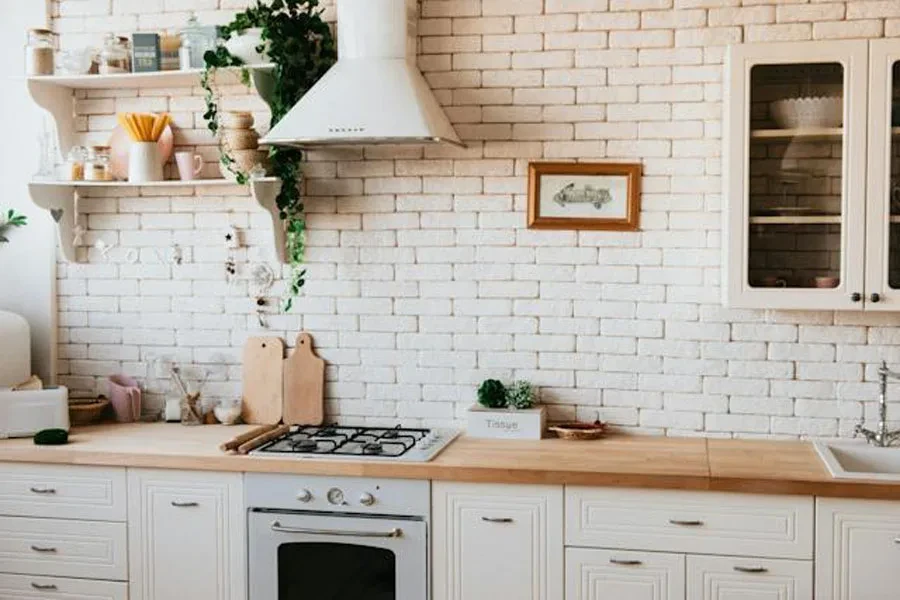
(144, 163)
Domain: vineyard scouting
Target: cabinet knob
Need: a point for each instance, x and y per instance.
(856, 297)
(875, 297)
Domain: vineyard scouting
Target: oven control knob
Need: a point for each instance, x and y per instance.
(336, 496)
(304, 496)
(367, 499)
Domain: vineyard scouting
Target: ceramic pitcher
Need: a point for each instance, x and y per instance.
(125, 397)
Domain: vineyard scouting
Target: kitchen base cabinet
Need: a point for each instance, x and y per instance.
(492, 542)
(857, 550)
(733, 578)
(618, 575)
(187, 535)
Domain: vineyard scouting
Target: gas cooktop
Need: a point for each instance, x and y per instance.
(372, 443)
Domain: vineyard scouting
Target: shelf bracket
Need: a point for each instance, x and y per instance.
(62, 204)
(59, 102)
(265, 192)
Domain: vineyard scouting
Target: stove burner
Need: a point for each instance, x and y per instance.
(372, 448)
(305, 445)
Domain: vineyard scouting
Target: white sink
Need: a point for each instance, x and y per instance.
(848, 460)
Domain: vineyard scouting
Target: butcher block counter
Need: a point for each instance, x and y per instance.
(768, 467)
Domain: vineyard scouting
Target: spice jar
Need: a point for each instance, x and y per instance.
(96, 165)
(75, 161)
(114, 56)
(39, 51)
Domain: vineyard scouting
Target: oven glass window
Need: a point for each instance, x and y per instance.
(336, 572)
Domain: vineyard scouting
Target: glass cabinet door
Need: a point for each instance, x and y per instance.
(795, 156)
(883, 215)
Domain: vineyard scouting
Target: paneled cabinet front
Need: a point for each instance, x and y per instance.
(497, 541)
(730, 578)
(186, 535)
(619, 575)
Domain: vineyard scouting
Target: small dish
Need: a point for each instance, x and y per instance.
(580, 431)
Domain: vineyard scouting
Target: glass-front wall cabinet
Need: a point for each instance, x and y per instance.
(794, 170)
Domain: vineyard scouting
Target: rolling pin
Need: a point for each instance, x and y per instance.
(256, 442)
(234, 443)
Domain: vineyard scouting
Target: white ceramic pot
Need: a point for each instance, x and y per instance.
(244, 46)
(144, 162)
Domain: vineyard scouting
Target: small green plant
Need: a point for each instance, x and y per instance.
(492, 394)
(520, 395)
(9, 221)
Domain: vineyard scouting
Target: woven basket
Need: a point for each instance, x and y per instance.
(580, 431)
(86, 414)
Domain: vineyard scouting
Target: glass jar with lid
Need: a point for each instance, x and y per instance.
(114, 57)
(75, 162)
(97, 164)
(39, 50)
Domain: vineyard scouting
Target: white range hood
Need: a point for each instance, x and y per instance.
(374, 94)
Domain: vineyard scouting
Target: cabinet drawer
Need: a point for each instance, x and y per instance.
(614, 574)
(64, 548)
(29, 587)
(724, 577)
(85, 493)
(695, 522)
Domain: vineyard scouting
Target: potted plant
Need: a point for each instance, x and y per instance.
(507, 412)
(9, 221)
(292, 35)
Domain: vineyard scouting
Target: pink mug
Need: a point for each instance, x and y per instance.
(125, 397)
(189, 165)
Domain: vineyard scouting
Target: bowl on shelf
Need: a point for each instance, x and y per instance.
(245, 161)
(808, 112)
(86, 412)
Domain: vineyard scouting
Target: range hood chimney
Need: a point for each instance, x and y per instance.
(374, 94)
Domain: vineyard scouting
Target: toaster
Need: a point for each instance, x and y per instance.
(24, 413)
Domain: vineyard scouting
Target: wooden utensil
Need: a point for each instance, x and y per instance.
(263, 381)
(239, 440)
(304, 384)
(258, 441)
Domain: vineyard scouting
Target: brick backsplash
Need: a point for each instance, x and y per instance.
(423, 279)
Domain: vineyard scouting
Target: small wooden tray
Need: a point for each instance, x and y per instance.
(580, 431)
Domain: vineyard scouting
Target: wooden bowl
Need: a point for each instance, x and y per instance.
(86, 414)
(580, 431)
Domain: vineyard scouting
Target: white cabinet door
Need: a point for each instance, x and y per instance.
(187, 535)
(619, 575)
(734, 578)
(857, 549)
(493, 542)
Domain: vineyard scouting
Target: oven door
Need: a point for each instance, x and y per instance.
(337, 557)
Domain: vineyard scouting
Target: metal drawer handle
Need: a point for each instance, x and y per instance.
(897, 540)
(178, 504)
(497, 519)
(625, 563)
(44, 586)
(47, 491)
(393, 533)
(751, 569)
(685, 523)
(45, 549)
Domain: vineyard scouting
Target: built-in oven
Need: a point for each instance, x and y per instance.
(329, 538)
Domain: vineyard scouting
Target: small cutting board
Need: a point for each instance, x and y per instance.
(304, 385)
(263, 381)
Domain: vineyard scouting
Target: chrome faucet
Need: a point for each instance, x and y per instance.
(882, 437)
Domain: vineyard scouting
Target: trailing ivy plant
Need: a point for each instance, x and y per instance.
(302, 48)
(8, 221)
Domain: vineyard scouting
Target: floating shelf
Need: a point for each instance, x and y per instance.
(157, 79)
(797, 220)
(61, 199)
(806, 133)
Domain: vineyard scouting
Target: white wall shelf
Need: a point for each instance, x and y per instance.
(61, 200)
(157, 79)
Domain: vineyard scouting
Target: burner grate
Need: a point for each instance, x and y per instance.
(346, 441)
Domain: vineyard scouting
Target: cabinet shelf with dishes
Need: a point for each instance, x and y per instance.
(56, 95)
(796, 220)
(804, 134)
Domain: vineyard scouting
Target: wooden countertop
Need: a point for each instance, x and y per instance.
(624, 461)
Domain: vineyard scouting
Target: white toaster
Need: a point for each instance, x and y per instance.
(22, 414)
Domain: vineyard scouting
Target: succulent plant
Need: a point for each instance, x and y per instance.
(492, 394)
(520, 395)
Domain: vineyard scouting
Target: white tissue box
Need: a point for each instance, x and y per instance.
(23, 414)
(507, 423)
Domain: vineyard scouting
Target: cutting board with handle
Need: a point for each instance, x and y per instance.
(304, 384)
(263, 381)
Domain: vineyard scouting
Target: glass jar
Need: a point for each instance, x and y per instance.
(114, 57)
(75, 163)
(39, 52)
(96, 165)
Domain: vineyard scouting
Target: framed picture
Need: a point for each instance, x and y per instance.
(601, 196)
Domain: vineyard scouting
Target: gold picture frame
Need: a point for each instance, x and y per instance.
(592, 196)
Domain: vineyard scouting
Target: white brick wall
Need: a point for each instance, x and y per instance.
(423, 280)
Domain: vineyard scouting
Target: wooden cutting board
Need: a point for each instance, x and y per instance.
(304, 385)
(263, 381)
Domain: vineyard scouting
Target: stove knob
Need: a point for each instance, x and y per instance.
(305, 496)
(367, 499)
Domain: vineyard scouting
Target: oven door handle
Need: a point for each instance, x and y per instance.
(393, 533)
